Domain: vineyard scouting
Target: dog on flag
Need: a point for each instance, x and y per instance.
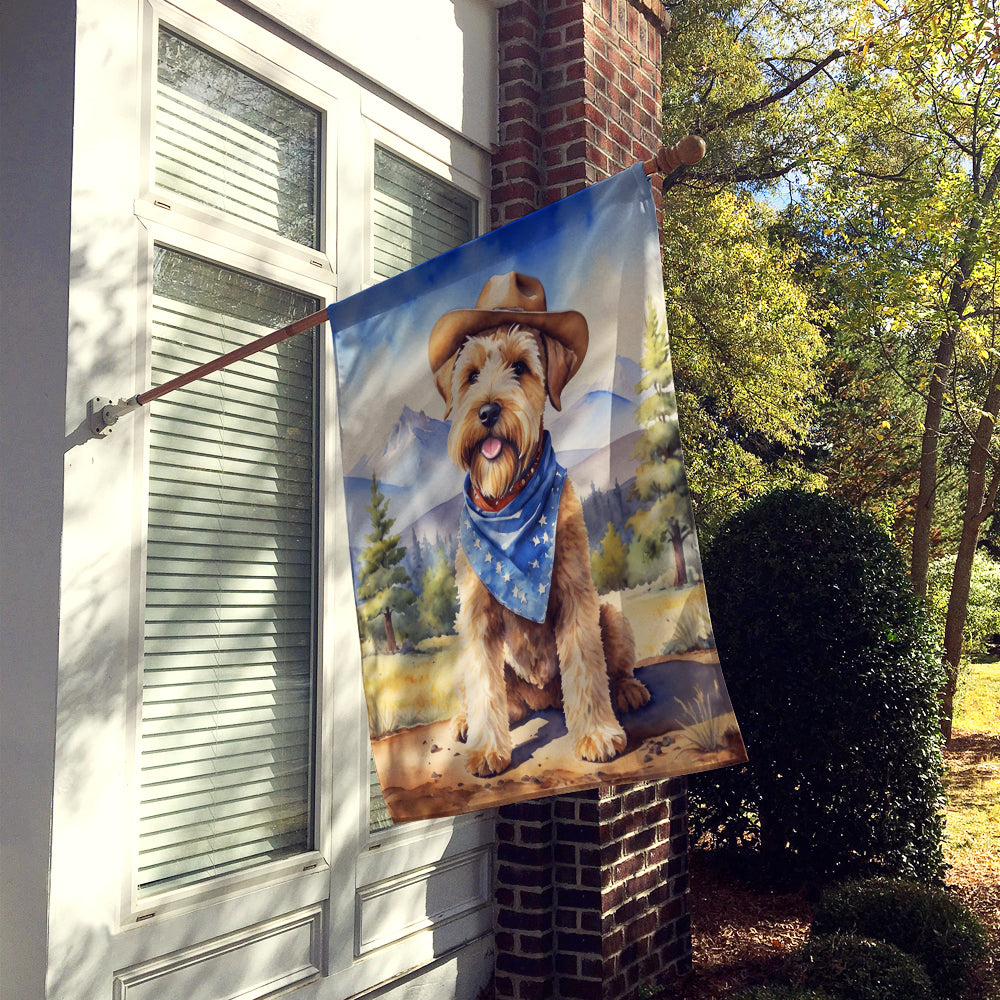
(532, 632)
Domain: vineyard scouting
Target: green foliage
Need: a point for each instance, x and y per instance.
(833, 673)
(738, 74)
(747, 353)
(383, 583)
(856, 968)
(782, 992)
(609, 566)
(666, 518)
(924, 921)
(983, 611)
(438, 602)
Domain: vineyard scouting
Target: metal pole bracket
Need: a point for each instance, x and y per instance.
(103, 413)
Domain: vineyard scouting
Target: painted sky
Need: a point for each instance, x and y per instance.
(596, 251)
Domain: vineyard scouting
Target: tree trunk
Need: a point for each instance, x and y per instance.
(680, 564)
(390, 635)
(920, 553)
(979, 500)
(958, 300)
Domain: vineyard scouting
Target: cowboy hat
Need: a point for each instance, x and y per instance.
(508, 298)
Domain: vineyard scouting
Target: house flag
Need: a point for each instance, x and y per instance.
(530, 600)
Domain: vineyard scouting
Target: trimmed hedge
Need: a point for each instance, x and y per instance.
(782, 993)
(857, 968)
(925, 922)
(833, 671)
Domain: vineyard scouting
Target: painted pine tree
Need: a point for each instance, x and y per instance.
(384, 586)
(609, 566)
(665, 520)
(439, 599)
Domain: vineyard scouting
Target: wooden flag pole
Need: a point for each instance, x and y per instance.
(103, 413)
(687, 152)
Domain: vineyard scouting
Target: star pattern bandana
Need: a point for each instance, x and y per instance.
(512, 550)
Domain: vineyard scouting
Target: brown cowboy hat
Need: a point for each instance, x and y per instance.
(508, 298)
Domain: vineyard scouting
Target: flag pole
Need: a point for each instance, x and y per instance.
(687, 152)
(103, 414)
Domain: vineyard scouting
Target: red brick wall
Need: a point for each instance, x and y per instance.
(591, 888)
(591, 893)
(579, 96)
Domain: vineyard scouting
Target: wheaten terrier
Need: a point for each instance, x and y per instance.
(532, 631)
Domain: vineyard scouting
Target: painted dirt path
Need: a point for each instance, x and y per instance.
(423, 774)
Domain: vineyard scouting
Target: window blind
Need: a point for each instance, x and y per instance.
(228, 652)
(416, 216)
(228, 140)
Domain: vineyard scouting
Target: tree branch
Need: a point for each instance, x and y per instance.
(754, 106)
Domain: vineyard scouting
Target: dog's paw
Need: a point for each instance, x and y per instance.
(601, 745)
(459, 727)
(629, 694)
(486, 764)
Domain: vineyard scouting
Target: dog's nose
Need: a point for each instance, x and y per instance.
(489, 414)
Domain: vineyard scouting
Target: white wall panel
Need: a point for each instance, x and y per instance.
(418, 51)
(256, 963)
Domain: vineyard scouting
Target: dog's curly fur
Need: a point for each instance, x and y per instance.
(582, 657)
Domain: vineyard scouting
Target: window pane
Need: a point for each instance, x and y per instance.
(416, 217)
(228, 140)
(228, 658)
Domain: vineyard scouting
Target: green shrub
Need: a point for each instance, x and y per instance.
(856, 968)
(833, 672)
(782, 993)
(925, 922)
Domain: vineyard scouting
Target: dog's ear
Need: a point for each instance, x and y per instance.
(559, 362)
(442, 379)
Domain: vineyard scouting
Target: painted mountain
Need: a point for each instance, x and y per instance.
(425, 490)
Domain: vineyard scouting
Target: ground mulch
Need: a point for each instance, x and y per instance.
(742, 934)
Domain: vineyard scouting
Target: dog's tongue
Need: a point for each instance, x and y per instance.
(490, 448)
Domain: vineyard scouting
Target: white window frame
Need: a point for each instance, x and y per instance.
(350, 871)
(180, 224)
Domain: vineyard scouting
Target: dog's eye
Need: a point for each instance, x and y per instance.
(518, 368)
(473, 377)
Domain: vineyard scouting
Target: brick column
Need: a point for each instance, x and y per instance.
(579, 96)
(591, 888)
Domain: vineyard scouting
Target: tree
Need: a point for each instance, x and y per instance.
(880, 124)
(745, 76)
(383, 584)
(913, 184)
(439, 598)
(747, 354)
(660, 480)
(610, 565)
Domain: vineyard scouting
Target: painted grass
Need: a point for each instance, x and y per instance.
(655, 613)
(419, 687)
(973, 782)
(413, 689)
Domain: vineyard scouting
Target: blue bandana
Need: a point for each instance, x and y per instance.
(512, 550)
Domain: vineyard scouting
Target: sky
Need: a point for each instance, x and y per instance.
(596, 252)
